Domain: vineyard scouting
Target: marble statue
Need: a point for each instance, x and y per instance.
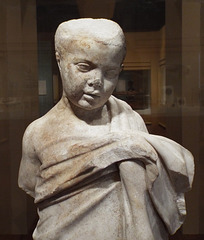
(94, 171)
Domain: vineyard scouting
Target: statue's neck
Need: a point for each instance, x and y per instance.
(99, 116)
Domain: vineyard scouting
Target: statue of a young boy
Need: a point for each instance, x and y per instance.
(92, 168)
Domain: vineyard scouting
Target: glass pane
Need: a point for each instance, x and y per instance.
(134, 88)
(162, 80)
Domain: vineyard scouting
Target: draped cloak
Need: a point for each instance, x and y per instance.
(124, 185)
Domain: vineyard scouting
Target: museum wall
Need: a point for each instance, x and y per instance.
(190, 101)
(143, 52)
(146, 50)
(183, 75)
(18, 105)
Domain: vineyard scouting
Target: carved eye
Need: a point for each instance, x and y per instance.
(83, 67)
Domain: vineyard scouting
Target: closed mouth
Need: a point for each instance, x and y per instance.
(92, 94)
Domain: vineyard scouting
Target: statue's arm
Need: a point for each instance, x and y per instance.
(30, 164)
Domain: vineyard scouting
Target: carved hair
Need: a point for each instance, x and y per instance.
(101, 30)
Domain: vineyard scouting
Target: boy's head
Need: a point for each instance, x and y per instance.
(89, 53)
(102, 30)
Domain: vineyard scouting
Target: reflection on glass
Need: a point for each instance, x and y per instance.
(134, 88)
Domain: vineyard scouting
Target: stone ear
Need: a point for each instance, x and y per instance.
(58, 59)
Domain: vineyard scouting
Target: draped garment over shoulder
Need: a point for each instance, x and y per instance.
(124, 185)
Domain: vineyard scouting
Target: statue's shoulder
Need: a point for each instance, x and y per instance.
(43, 124)
(121, 108)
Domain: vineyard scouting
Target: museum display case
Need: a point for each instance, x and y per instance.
(162, 79)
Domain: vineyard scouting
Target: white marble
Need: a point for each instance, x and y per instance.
(92, 168)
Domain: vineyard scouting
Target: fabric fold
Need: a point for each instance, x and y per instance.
(137, 180)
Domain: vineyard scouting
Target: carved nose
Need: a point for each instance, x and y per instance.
(94, 82)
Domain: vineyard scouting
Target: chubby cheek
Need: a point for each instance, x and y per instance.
(74, 84)
(109, 86)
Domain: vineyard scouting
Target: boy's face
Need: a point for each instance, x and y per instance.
(89, 72)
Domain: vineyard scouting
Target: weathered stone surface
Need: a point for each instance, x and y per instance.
(89, 163)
